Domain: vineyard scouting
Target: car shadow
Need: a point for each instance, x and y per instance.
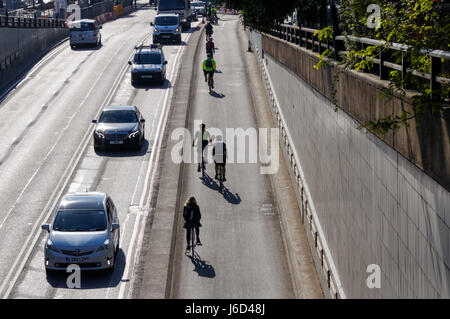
(117, 151)
(147, 86)
(87, 47)
(173, 44)
(234, 199)
(93, 279)
(202, 268)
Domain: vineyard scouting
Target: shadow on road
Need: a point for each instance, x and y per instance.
(86, 47)
(147, 86)
(202, 268)
(117, 151)
(216, 95)
(93, 279)
(234, 199)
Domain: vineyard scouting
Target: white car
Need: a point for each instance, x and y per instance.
(85, 32)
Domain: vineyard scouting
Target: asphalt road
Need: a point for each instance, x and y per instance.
(46, 150)
(242, 255)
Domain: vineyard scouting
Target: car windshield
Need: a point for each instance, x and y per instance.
(166, 21)
(171, 4)
(149, 58)
(80, 220)
(118, 117)
(197, 4)
(82, 26)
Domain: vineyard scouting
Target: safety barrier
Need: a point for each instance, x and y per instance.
(308, 214)
(305, 37)
(18, 22)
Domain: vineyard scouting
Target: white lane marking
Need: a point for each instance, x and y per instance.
(58, 191)
(137, 224)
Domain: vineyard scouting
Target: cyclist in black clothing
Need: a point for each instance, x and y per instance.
(208, 29)
(192, 216)
(219, 153)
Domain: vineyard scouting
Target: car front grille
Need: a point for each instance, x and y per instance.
(119, 136)
(76, 253)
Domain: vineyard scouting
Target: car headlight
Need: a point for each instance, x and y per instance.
(99, 134)
(156, 30)
(103, 247)
(49, 245)
(133, 134)
(177, 29)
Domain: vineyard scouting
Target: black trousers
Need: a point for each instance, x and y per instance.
(188, 234)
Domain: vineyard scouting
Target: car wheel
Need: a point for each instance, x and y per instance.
(72, 46)
(97, 149)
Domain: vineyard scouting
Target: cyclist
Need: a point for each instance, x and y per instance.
(209, 66)
(210, 47)
(219, 153)
(203, 139)
(208, 29)
(214, 15)
(192, 216)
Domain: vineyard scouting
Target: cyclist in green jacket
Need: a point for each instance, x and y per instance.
(209, 66)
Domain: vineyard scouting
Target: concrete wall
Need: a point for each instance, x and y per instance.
(20, 47)
(374, 205)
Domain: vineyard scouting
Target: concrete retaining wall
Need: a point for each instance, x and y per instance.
(374, 205)
(21, 47)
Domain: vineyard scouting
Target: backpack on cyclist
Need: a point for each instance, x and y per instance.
(209, 63)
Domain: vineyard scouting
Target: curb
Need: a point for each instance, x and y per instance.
(158, 260)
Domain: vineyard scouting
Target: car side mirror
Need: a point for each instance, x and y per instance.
(94, 121)
(46, 227)
(165, 62)
(114, 226)
(100, 27)
(142, 120)
(151, 23)
(129, 62)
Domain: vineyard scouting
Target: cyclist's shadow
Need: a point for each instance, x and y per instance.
(202, 267)
(229, 196)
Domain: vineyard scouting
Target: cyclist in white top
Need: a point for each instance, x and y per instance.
(203, 139)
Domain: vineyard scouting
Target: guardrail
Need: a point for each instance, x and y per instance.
(308, 215)
(305, 37)
(18, 22)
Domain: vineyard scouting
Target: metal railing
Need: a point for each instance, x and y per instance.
(18, 22)
(305, 37)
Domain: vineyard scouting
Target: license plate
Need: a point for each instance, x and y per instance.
(146, 76)
(166, 36)
(115, 142)
(77, 260)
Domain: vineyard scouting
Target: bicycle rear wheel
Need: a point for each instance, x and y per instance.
(192, 240)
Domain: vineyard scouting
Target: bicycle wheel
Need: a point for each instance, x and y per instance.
(192, 240)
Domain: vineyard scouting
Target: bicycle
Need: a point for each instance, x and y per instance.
(220, 175)
(210, 81)
(203, 167)
(192, 229)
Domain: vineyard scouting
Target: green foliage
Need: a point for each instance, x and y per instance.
(417, 24)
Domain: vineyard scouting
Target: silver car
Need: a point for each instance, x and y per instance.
(85, 232)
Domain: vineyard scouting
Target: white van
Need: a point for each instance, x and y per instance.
(84, 32)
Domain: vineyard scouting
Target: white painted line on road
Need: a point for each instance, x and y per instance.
(31, 240)
(152, 163)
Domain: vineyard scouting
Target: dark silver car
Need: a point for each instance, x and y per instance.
(148, 65)
(85, 232)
